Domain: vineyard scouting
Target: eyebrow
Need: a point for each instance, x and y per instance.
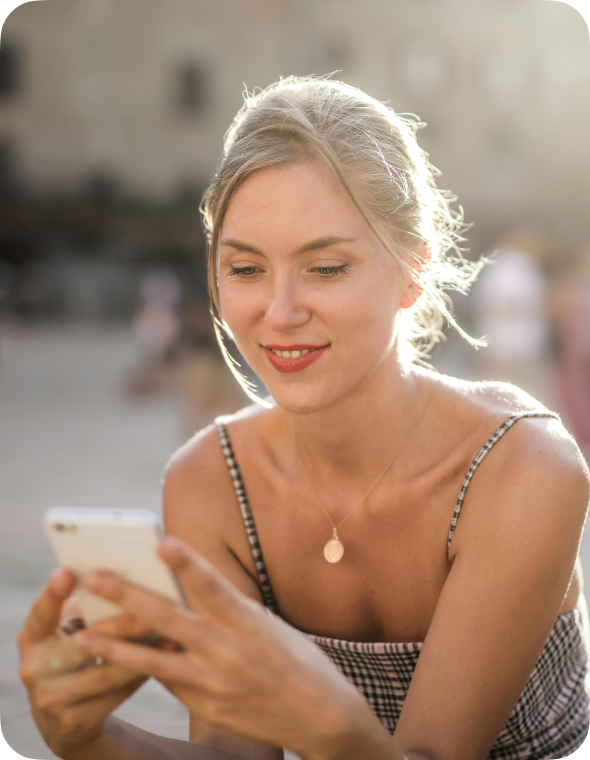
(314, 245)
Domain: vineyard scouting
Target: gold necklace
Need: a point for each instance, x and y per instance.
(334, 548)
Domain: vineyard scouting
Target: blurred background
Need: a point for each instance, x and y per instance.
(112, 114)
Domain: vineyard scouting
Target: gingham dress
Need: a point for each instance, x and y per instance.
(551, 717)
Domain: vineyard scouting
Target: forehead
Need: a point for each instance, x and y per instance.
(300, 199)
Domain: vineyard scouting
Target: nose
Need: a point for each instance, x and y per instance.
(286, 309)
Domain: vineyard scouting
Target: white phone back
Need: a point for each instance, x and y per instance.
(121, 541)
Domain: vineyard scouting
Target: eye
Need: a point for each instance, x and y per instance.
(243, 271)
(331, 271)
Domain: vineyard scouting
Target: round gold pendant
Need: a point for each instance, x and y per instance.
(333, 550)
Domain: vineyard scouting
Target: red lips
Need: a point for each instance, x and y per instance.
(282, 364)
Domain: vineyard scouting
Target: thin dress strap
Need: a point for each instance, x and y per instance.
(492, 440)
(238, 483)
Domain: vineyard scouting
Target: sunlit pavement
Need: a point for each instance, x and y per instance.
(68, 437)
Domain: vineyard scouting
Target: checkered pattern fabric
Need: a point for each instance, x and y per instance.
(551, 717)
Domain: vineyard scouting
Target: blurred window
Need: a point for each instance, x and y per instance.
(9, 70)
(191, 88)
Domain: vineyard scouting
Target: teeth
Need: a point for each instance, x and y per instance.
(291, 354)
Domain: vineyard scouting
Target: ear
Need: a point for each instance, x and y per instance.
(421, 256)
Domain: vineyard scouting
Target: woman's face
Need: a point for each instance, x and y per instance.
(300, 271)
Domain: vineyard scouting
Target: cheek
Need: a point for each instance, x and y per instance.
(369, 313)
(236, 308)
(241, 312)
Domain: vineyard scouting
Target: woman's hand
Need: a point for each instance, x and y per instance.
(241, 669)
(70, 694)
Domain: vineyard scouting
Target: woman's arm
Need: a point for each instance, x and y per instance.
(119, 740)
(514, 553)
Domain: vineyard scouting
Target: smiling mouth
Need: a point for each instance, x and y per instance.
(293, 358)
(292, 354)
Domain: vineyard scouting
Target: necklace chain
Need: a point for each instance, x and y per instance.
(338, 548)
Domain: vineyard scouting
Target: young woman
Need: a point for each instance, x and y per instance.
(413, 535)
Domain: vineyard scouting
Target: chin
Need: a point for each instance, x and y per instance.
(302, 399)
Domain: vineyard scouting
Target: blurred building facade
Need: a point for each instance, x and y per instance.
(112, 115)
(134, 97)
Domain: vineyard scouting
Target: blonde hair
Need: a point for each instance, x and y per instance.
(365, 144)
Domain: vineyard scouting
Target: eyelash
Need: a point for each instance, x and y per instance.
(325, 272)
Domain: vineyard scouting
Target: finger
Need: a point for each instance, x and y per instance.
(153, 611)
(86, 715)
(43, 618)
(205, 584)
(52, 658)
(70, 618)
(138, 659)
(125, 626)
(90, 683)
(129, 627)
(109, 702)
(70, 609)
(68, 627)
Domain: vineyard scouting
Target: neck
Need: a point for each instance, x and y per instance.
(353, 439)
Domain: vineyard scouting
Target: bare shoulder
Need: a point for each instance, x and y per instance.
(200, 462)
(535, 459)
(485, 397)
(534, 479)
(540, 457)
(201, 507)
(505, 397)
(493, 402)
(541, 444)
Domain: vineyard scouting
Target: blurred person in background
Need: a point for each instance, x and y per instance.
(180, 355)
(157, 327)
(511, 311)
(425, 599)
(202, 383)
(156, 324)
(570, 302)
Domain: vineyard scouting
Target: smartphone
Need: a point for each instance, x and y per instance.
(123, 541)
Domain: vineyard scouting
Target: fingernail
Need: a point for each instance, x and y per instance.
(84, 640)
(96, 581)
(59, 581)
(172, 548)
